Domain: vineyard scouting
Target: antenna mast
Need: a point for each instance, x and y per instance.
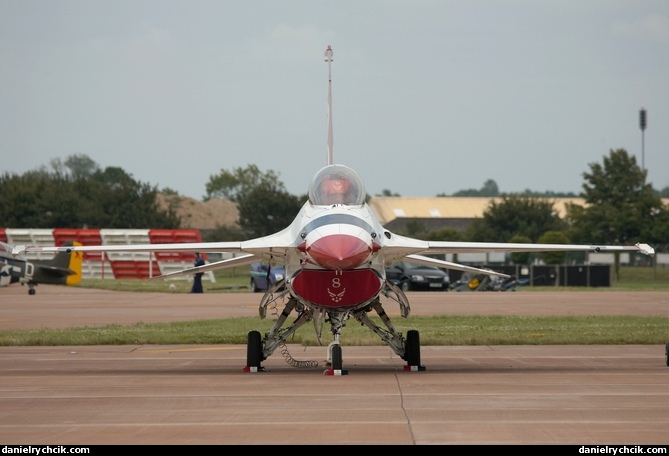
(642, 124)
(329, 58)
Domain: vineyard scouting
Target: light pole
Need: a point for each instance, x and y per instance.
(642, 125)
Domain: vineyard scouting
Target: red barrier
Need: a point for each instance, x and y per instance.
(175, 236)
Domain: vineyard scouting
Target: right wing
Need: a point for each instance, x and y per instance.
(229, 263)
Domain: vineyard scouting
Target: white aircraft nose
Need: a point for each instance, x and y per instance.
(339, 250)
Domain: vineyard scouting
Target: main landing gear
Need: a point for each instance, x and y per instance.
(254, 355)
(259, 348)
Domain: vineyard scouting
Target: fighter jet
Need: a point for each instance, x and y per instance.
(335, 255)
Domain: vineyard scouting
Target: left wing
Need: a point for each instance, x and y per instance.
(508, 247)
(397, 247)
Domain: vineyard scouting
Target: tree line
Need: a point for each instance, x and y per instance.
(621, 207)
(78, 194)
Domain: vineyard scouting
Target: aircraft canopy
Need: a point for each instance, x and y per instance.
(336, 184)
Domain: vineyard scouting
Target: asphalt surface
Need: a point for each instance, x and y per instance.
(199, 394)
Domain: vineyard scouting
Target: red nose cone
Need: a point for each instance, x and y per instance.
(339, 251)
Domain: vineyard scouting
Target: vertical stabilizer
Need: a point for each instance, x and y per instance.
(75, 265)
(70, 265)
(329, 59)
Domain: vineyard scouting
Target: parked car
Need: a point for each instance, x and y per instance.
(413, 277)
(259, 276)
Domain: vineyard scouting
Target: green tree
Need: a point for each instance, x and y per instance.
(116, 200)
(621, 208)
(520, 257)
(386, 192)
(553, 237)
(81, 165)
(266, 209)
(109, 199)
(23, 202)
(489, 189)
(415, 228)
(224, 233)
(515, 215)
(444, 234)
(236, 185)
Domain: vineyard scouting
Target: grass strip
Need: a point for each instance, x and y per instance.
(434, 330)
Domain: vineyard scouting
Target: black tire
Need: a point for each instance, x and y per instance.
(405, 285)
(412, 353)
(337, 360)
(254, 287)
(666, 353)
(253, 349)
(32, 291)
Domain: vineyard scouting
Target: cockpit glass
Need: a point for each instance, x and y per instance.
(336, 184)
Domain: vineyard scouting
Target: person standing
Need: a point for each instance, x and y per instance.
(197, 280)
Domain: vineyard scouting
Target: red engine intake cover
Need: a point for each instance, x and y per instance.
(337, 288)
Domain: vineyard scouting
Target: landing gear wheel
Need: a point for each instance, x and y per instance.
(666, 353)
(32, 291)
(253, 352)
(337, 359)
(336, 363)
(412, 353)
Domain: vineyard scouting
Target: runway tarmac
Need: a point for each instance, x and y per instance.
(199, 394)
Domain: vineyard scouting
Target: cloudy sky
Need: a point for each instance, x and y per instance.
(429, 96)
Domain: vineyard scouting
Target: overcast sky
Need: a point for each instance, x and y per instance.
(429, 97)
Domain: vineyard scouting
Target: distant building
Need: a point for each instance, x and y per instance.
(394, 212)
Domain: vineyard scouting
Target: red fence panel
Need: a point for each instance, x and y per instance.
(135, 269)
(84, 236)
(175, 236)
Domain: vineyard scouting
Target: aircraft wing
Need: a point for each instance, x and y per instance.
(398, 247)
(508, 247)
(449, 265)
(274, 245)
(229, 263)
(175, 247)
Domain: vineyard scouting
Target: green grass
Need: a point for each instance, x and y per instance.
(232, 280)
(642, 278)
(438, 330)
